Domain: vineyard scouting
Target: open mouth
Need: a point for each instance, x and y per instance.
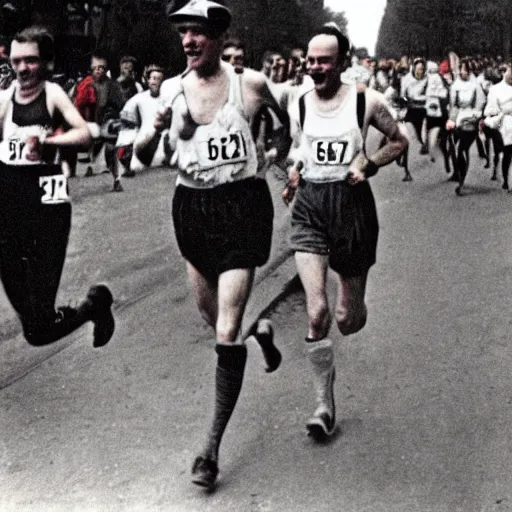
(318, 78)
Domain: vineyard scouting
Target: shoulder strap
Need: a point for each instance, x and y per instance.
(302, 110)
(457, 99)
(4, 107)
(361, 108)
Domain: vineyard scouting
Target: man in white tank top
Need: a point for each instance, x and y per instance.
(222, 208)
(334, 220)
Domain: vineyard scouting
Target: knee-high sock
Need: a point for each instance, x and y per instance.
(228, 383)
(321, 357)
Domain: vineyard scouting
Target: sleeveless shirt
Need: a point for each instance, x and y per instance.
(330, 140)
(222, 151)
(20, 124)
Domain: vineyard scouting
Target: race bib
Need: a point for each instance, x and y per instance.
(331, 152)
(54, 188)
(231, 148)
(21, 150)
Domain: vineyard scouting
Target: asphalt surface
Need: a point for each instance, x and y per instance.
(423, 392)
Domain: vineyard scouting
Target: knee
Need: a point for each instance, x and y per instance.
(350, 322)
(207, 314)
(227, 333)
(319, 318)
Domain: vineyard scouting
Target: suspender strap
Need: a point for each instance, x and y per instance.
(361, 109)
(302, 111)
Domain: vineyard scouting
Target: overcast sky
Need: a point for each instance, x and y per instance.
(363, 19)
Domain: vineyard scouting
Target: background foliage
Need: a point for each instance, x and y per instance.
(141, 28)
(431, 29)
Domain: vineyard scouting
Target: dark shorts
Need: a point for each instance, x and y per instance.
(224, 228)
(415, 115)
(435, 122)
(339, 220)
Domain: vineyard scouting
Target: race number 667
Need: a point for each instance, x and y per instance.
(329, 152)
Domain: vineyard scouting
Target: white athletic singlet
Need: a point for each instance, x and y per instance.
(222, 151)
(499, 103)
(330, 140)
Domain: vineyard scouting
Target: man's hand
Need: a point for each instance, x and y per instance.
(293, 183)
(163, 119)
(356, 172)
(450, 125)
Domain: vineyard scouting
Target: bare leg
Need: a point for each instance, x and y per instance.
(234, 287)
(312, 270)
(351, 309)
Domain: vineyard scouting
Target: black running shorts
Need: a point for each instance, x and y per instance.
(35, 220)
(225, 227)
(339, 220)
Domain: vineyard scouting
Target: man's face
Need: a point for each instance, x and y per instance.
(154, 82)
(199, 45)
(297, 53)
(126, 69)
(323, 63)
(235, 56)
(464, 72)
(507, 75)
(419, 70)
(26, 63)
(98, 69)
(271, 65)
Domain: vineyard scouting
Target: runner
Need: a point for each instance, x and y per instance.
(467, 102)
(222, 208)
(398, 111)
(436, 108)
(498, 112)
(334, 220)
(414, 88)
(138, 116)
(35, 213)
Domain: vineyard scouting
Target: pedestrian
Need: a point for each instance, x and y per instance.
(222, 207)
(334, 219)
(100, 99)
(467, 101)
(498, 112)
(35, 213)
(139, 113)
(414, 89)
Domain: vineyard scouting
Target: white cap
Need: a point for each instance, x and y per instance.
(205, 11)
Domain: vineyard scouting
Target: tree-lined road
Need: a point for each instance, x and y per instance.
(423, 392)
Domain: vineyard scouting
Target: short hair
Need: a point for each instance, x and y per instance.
(128, 58)
(467, 64)
(419, 60)
(234, 43)
(331, 29)
(41, 36)
(99, 56)
(153, 68)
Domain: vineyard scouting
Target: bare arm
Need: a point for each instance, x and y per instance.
(379, 116)
(78, 134)
(283, 141)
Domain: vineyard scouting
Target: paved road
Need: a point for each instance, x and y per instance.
(423, 392)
